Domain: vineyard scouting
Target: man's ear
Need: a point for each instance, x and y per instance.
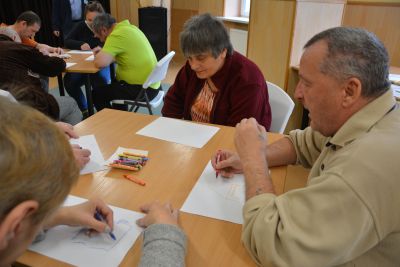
(351, 92)
(10, 225)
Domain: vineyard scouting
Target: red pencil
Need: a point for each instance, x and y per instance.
(216, 161)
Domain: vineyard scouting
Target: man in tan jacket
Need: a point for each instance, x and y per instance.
(348, 214)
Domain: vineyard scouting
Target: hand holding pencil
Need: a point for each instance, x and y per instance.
(226, 163)
(84, 215)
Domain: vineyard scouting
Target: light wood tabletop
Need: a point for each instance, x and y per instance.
(82, 65)
(394, 70)
(170, 174)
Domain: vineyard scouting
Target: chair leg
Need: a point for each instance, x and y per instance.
(148, 104)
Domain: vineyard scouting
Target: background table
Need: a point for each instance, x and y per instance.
(82, 66)
(171, 173)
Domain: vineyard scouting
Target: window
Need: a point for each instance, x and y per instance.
(245, 8)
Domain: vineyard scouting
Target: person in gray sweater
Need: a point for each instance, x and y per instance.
(164, 243)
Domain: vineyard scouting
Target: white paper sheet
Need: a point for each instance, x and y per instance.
(68, 244)
(218, 198)
(179, 131)
(394, 77)
(96, 162)
(60, 55)
(120, 150)
(89, 52)
(70, 64)
(396, 90)
(90, 58)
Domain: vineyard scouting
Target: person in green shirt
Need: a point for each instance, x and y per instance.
(128, 47)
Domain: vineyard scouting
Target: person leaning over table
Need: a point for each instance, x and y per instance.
(128, 47)
(217, 84)
(27, 94)
(82, 37)
(28, 23)
(347, 215)
(33, 187)
(25, 210)
(23, 64)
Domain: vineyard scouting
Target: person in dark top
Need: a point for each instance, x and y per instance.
(82, 38)
(217, 84)
(23, 64)
(65, 14)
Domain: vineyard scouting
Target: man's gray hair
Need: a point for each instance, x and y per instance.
(354, 52)
(205, 33)
(102, 21)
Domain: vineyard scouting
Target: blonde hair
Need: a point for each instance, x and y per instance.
(36, 160)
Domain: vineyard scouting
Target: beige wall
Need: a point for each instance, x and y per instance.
(270, 35)
(381, 19)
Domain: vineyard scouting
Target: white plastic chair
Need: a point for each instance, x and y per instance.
(157, 75)
(7, 95)
(281, 107)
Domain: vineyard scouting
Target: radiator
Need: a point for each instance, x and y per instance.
(239, 40)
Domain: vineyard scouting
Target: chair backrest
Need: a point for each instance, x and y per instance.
(160, 70)
(7, 95)
(281, 107)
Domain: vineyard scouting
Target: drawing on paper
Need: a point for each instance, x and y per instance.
(102, 241)
(230, 189)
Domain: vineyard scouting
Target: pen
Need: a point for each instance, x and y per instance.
(216, 161)
(135, 180)
(100, 217)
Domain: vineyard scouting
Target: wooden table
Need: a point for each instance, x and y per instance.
(82, 66)
(394, 70)
(171, 173)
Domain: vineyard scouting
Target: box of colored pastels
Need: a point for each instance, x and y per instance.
(128, 159)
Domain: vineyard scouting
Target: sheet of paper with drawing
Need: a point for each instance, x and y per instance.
(96, 162)
(72, 245)
(218, 198)
(179, 131)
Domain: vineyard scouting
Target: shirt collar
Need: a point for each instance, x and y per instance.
(363, 120)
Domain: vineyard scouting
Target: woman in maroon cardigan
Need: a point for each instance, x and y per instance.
(216, 85)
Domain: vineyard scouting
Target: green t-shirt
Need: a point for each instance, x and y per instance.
(133, 53)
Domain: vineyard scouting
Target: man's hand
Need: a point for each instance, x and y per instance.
(82, 156)
(68, 129)
(96, 50)
(250, 140)
(47, 50)
(228, 164)
(57, 50)
(56, 33)
(251, 144)
(85, 47)
(83, 215)
(158, 213)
